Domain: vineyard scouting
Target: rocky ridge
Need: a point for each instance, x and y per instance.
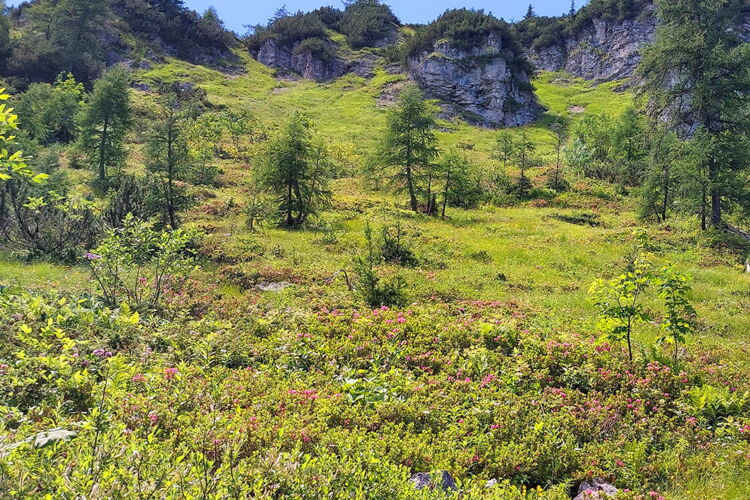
(604, 50)
(484, 84)
(303, 62)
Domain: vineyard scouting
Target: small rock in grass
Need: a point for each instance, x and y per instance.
(273, 287)
(425, 480)
(595, 489)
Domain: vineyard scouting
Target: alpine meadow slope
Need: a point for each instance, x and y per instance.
(345, 257)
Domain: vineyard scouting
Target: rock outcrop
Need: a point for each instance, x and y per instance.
(301, 61)
(487, 85)
(603, 50)
(608, 49)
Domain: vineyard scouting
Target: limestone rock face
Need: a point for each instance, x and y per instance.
(483, 84)
(604, 50)
(304, 62)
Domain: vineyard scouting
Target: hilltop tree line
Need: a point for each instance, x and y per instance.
(543, 31)
(365, 23)
(83, 37)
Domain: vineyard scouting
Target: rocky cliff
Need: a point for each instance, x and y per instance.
(607, 49)
(300, 60)
(487, 85)
(601, 50)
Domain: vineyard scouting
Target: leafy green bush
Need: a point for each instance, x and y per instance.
(46, 224)
(378, 287)
(466, 29)
(138, 266)
(346, 401)
(47, 113)
(288, 30)
(367, 23)
(716, 404)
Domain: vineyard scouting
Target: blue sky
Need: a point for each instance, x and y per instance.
(238, 13)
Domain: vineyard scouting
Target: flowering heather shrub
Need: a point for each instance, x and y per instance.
(345, 403)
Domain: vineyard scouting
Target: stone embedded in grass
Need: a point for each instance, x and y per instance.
(595, 489)
(41, 439)
(273, 287)
(423, 480)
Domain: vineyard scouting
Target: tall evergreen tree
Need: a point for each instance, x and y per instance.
(459, 188)
(560, 134)
(530, 12)
(295, 170)
(409, 146)
(697, 74)
(75, 32)
(105, 120)
(629, 147)
(572, 11)
(167, 155)
(504, 147)
(5, 48)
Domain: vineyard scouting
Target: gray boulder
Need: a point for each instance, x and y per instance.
(428, 480)
(273, 287)
(595, 489)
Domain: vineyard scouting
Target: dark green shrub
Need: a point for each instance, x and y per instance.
(367, 23)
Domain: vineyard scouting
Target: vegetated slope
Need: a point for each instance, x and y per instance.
(83, 37)
(495, 371)
(467, 59)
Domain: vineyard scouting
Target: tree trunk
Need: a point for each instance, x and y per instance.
(630, 345)
(429, 196)
(665, 201)
(715, 207)
(703, 208)
(301, 213)
(289, 204)
(410, 186)
(445, 195)
(102, 154)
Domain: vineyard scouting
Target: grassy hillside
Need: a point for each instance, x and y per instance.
(493, 372)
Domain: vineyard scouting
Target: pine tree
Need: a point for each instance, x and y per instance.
(458, 185)
(167, 155)
(572, 11)
(697, 75)
(105, 120)
(5, 46)
(629, 147)
(530, 12)
(75, 32)
(524, 150)
(409, 146)
(295, 170)
(504, 147)
(560, 133)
